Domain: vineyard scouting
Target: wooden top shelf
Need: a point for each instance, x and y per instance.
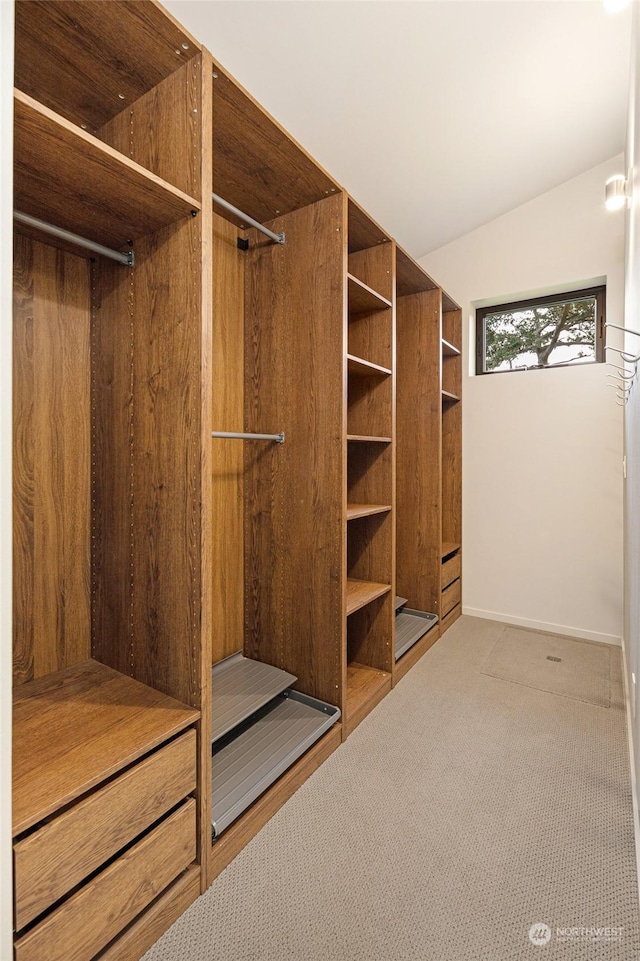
(364, 368)
(365, 510)
(361, 593)
(363, 299)
(74, 728)
(449, 398)
(449, 349)
(90, 61)
(366, 439)
(72, 180)
(449, 548)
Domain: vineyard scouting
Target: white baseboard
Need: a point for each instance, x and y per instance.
(632, 763)
(543, 626)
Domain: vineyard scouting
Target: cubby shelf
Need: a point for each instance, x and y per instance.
(449, 548)
(97, 192)
(364, 684)
(449, 398)
(367, 439)
(358, 367)
(366, 510)
(364, 299)
(449, 350)
(240, 686)
(361, 593)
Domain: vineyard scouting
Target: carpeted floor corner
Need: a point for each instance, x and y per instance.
(464, 810)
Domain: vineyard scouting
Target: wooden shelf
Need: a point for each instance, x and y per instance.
(449, 398)
(449, 350)
(90, 61)
(366, 510)
(364, 368)
(77, 727)
(96, 192)
(364, 685)
(449, 548)
(361, 593)
(366, 439)
(363, 299)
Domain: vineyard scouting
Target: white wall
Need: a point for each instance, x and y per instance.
(6, 232)
(542, 450)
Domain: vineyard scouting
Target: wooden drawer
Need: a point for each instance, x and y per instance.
(451, 570)
(450, 598)
(61, 854)
(95, 914)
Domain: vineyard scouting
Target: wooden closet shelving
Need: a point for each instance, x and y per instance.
(107, 654)
(150, 559)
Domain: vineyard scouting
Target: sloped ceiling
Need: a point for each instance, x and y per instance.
(436, 115)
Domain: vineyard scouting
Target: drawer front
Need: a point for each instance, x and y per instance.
(95, 914)
(450, 598)
(57, 857)
(451, 570)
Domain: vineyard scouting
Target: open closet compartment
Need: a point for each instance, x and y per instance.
(418, 461)
(370, 467)
(277, 316)
(109, 612)
(451, 553)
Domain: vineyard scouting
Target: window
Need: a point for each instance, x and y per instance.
(556, 331)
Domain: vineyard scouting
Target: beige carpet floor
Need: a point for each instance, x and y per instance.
(463, 811)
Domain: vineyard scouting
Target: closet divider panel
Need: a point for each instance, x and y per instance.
(418, 494)
(295, 492)
(51, 452)
(227, 456)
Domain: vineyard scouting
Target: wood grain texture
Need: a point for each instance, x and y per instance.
(142, 933)
(294, 492)
(370, 635)
(75, 728)
(450, 619)
(359, 593)
(451, 570)
(369, 548)
(371, 336)
(369, 473)
(52, 461)
(354, 511)
(452, 473)
(62, 853)
(364, 298)
(258, 167)
(410, 277)
(97, 192)
(413, 655)
(141, 131)
(363, 231)
(95, 58)
(227, 457)
(370, 406)
(373, 266)
(247, 826)
(418, 465)
(366, 687)
(90, 918)
(450, 597)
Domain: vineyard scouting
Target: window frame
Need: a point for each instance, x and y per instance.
(600, 294)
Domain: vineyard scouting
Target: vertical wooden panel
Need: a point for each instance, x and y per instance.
(52, 456)
(113, 408)
(227, 456)
(295, 491)
(452, 434)
(373, 267)
(157, 130)
(418, 495)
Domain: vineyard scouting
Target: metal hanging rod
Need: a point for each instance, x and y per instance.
(277, 238)
(126, 259)
(627, 330)
(278, 438)
(624, 373)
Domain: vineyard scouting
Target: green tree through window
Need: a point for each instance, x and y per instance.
(545, 332)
